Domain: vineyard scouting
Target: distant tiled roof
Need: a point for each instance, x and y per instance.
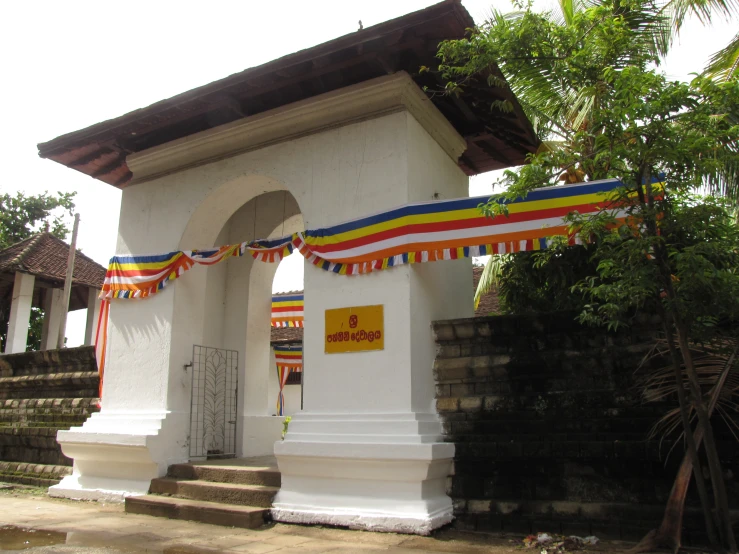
(284, 334)
(45, 256)
(488, 304)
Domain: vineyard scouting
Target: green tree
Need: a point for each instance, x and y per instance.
(554, 62)
(21, 217)
(625, 120)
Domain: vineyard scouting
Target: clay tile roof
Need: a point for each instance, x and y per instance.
(489, 304)
(45, 256)
(495, 138)
(287, 334)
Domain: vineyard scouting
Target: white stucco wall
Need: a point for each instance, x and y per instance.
(366, 444)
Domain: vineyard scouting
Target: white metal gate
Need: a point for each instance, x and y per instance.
(213, 402)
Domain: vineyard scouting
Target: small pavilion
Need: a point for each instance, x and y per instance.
(32, 274)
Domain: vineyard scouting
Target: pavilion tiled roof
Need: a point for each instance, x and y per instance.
(45, 256)
(489, 304)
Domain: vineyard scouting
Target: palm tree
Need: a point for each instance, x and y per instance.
(724, 64)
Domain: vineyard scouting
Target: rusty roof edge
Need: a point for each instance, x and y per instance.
(51, 147)
(17, 262)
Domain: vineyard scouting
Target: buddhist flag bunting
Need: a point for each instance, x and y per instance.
(451, 229)
(141, 276)
(414, 233)
(288, 358)
(287, 310)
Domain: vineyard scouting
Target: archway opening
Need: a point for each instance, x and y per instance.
(235, 316)
(286, 337)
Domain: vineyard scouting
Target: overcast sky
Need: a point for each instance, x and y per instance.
(67, 65)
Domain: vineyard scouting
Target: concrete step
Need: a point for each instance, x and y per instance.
(229, 515)
(242, 475)
(226, 493)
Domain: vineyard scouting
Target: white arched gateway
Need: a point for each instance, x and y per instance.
(337, 132)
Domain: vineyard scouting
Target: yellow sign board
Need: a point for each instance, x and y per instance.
(355, 329)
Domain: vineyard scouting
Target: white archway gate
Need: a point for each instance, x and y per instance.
(366, 450)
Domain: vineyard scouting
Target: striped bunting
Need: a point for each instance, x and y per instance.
(287, 310)
(141, 276)
(452, 229)
(415, 233)
(288, 358)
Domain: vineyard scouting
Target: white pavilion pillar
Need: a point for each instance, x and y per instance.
(93, 311)
(20, 313)
(52, 318)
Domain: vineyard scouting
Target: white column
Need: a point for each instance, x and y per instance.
(52, 318)
(93, 311)
(20, 313)
(366, 451)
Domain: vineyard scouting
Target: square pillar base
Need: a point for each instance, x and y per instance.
(118, 454)
(384, 472)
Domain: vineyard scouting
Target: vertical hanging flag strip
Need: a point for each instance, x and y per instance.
(288, 358)
(101, 343)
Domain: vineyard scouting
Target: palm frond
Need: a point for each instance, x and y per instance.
(704, 10)
(724, 64)
(490, 278)
(718, 374)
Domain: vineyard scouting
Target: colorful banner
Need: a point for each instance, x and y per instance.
(141, 276)
(451, 229)
(419, 232)
(288, 358)
(287, 310)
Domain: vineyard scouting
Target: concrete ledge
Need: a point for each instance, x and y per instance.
(382, 522)
(77, 487)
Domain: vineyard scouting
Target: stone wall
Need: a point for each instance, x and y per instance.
(550, 430)
(41, 393)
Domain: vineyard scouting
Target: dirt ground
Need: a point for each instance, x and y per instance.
(33, 523)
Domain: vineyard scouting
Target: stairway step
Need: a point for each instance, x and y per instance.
(241, 475)
(228, 493)
(81, 384)
(247, 517)
(38, 475)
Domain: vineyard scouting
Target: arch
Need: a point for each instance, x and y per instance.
(228, 305)
(215, 211)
